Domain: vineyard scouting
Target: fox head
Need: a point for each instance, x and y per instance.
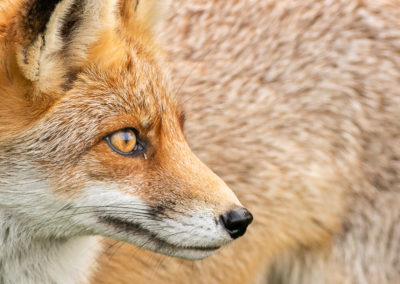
(92, 139)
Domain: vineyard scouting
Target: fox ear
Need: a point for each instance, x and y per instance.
(147, 14)
(54, 35)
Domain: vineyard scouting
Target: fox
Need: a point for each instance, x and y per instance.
(296, 106)
(92, 144)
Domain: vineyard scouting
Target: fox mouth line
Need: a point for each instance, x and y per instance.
(136, 228)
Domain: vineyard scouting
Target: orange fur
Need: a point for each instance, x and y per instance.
(69, 82)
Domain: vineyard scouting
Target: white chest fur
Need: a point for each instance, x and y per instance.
(26, 261)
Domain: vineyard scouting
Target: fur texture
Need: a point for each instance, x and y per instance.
(71, 74)
(296, 105)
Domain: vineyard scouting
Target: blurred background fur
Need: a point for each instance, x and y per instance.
(296, 105)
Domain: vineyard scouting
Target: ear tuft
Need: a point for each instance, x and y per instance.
(54, 37)
(35, 16)
(145, 13)
(72, 20)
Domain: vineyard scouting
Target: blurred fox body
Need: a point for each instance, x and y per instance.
(92, 144)
(296, 105)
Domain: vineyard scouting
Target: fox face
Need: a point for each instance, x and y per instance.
(94, 140)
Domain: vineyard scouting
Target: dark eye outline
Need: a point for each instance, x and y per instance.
(140, 147)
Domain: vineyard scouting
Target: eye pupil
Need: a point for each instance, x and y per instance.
(127, 138)
(123, 141)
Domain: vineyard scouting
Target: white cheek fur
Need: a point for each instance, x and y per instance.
(53, 233)
(197, 227)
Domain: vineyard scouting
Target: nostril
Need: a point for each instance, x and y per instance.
(236, 221)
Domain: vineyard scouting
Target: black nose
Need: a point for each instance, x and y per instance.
(236, 221)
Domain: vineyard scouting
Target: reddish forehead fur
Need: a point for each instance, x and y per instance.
(121, 85)
(121, 59)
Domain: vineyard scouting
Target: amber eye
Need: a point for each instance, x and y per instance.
(125, 142)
